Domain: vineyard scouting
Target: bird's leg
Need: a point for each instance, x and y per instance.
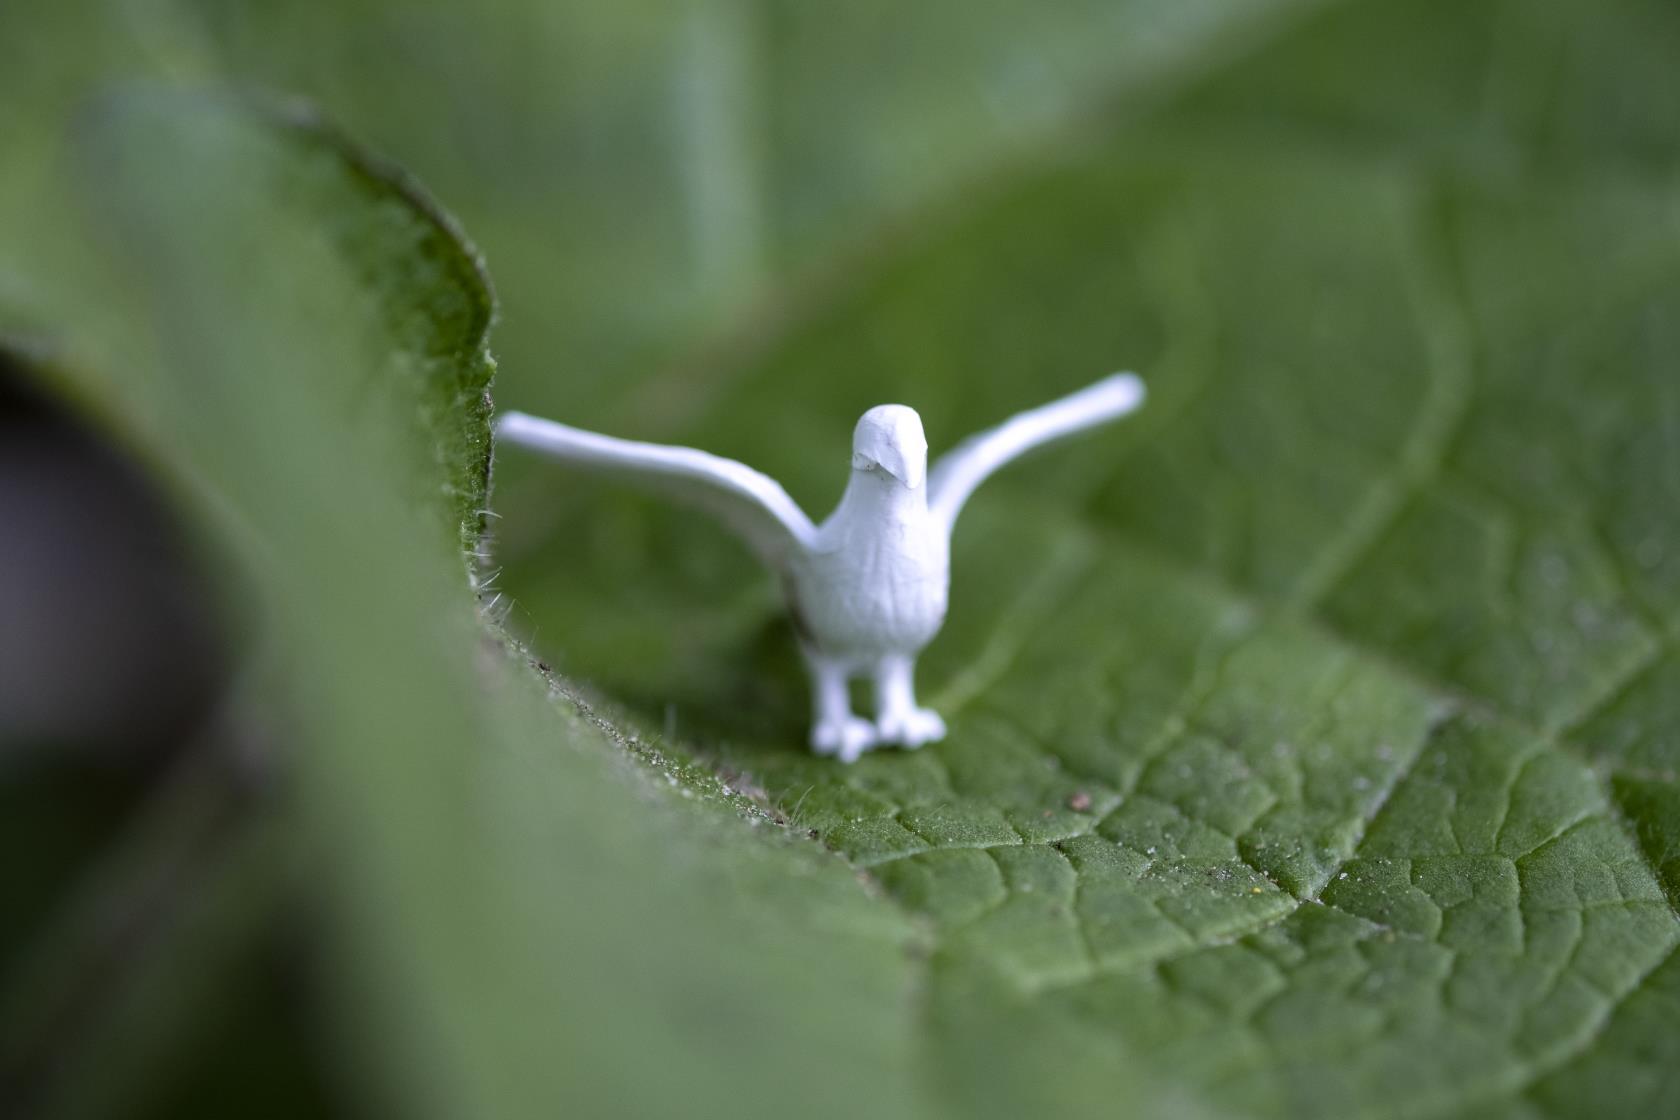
(897, 719)
(834, 729)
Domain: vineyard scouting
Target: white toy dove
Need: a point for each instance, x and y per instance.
(867, 588)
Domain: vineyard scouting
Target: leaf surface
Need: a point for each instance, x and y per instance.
(1309, 750)
(1312, 748)
(509, 905)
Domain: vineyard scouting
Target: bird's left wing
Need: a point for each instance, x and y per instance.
(753, 504)
(953, 478)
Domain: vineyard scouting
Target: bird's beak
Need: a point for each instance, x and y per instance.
(908, 469)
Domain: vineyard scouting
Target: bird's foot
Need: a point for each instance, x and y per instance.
(845, 739)
(910, 727)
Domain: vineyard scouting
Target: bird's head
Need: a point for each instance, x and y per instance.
(889, 438)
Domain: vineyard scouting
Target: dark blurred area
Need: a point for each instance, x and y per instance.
(127, 753)
(110, 663)
(110, 656)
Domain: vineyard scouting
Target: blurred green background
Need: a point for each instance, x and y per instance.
(1313, 742)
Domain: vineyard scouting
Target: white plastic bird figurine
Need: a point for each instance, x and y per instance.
(867, 588)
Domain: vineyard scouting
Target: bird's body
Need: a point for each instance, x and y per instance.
(877, 577)
(868, 589)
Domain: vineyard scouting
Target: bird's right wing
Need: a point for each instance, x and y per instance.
(752, 504)
(954, 477)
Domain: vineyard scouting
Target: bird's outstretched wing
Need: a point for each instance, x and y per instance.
(749, 502)
(954, 477)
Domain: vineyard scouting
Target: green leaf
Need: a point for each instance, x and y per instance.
(514, 907)
(1357, 646)
(638, 171)
(1313, 742)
